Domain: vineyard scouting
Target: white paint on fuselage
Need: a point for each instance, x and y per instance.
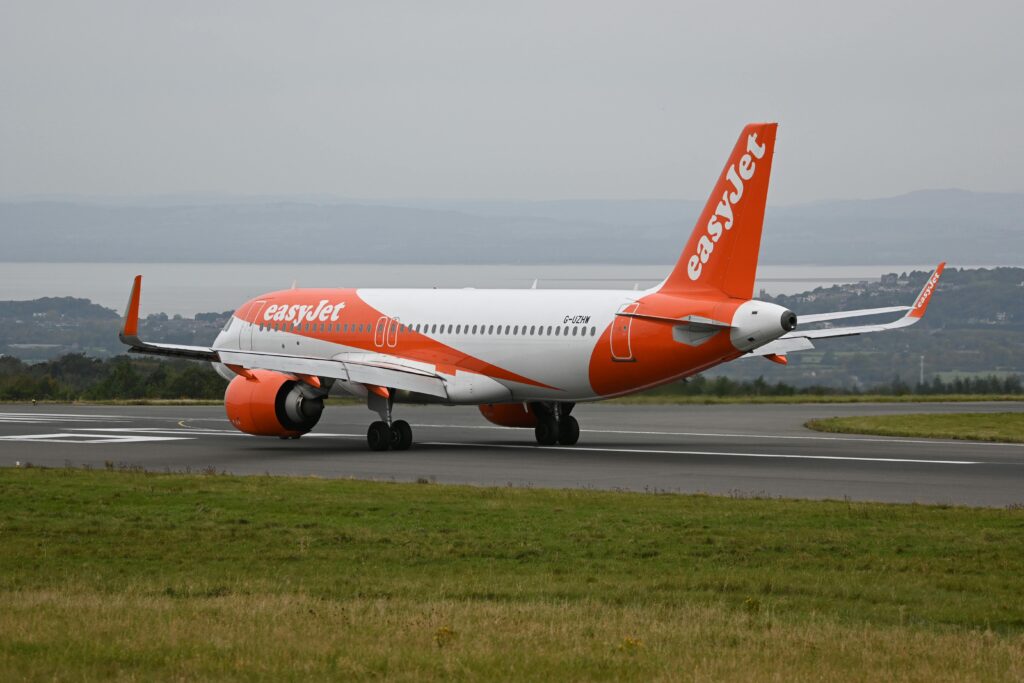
(557, 360)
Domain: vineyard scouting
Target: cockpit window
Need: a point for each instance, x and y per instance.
(227, 325)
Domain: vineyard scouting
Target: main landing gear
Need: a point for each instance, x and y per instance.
(397, 437)
(386, 434)
(555, 425)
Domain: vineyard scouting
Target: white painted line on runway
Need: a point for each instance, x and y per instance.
(642, 451)
(160, 430)
(868, 439)
(89, 439)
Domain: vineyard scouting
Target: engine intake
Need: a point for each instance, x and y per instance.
(272, 404)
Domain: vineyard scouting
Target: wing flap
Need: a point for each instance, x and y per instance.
(392, 375)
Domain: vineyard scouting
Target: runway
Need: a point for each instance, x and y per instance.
(740, 450)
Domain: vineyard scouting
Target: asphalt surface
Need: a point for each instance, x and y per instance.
(741, 450)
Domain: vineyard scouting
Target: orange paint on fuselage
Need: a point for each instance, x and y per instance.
(351, 322)
(656, 357)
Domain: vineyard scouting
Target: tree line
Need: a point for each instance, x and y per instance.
(78, 377)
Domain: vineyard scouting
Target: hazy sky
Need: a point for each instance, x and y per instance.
(514, 99)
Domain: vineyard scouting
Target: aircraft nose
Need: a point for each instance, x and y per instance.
(789, 321)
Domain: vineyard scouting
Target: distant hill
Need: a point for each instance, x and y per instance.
(965, 227)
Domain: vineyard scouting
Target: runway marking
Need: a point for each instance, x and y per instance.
(66, 437)
(868, 439)
(643, 451)
(42, 418)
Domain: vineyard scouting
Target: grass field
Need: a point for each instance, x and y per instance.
(668, 399)
(639, 399)
(135, 576)
(1005, 427)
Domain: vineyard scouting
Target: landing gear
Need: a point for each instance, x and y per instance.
(568, 431)
(378, 436)
(401, 435)
(546, 431)
(384, 434)
(555, 425)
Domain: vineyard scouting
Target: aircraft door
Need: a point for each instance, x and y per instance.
(380, 332)
(393, 333)
(621, 327)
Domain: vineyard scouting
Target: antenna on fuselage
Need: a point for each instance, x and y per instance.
(534, 285)
(295, 284)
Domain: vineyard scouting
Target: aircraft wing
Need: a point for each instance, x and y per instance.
(369, 373)
(362, 370)
(800, 340)
(129, 334)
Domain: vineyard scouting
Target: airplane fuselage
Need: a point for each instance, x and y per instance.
(508, 345)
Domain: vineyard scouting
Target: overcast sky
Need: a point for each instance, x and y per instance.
(516, 99)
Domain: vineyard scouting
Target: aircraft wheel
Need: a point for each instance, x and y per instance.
(378, 436)
(546, 432)
(401, 435)
(568, 431)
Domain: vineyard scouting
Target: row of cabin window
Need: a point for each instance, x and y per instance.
(358, 328)
(509, 330)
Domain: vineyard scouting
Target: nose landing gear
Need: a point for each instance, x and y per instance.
(555, 425)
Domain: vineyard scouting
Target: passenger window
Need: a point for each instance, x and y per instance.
(515, 330)
(574, 331)
(593, 331)
(532, 329)
(565, 332)
(474, 329)
(507, 328)
(557, 330)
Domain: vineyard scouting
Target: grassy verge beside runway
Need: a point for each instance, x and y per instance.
(674, 399)
(129, 575)
(1004, 427)
(636, 399)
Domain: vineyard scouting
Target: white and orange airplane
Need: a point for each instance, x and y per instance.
(525, 357)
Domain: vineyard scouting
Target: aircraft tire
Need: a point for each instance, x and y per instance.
(378, 436)
(546, 432)
(401, 435)
(568, 431)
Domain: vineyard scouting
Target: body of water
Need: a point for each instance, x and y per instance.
(190, 288)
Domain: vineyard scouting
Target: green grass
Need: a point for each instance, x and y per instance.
(669, 399)
(1004, 427)
(135, 576)
(636, 399)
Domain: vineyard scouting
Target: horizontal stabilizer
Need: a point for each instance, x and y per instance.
(697, 320)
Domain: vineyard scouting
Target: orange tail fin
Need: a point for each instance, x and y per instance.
(723, 249)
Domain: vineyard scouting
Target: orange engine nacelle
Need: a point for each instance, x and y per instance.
(269, 403)
(509, 414)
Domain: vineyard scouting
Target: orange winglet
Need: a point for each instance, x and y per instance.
(130, 325)
(380, 391)
(779, 358)
(921, 304)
